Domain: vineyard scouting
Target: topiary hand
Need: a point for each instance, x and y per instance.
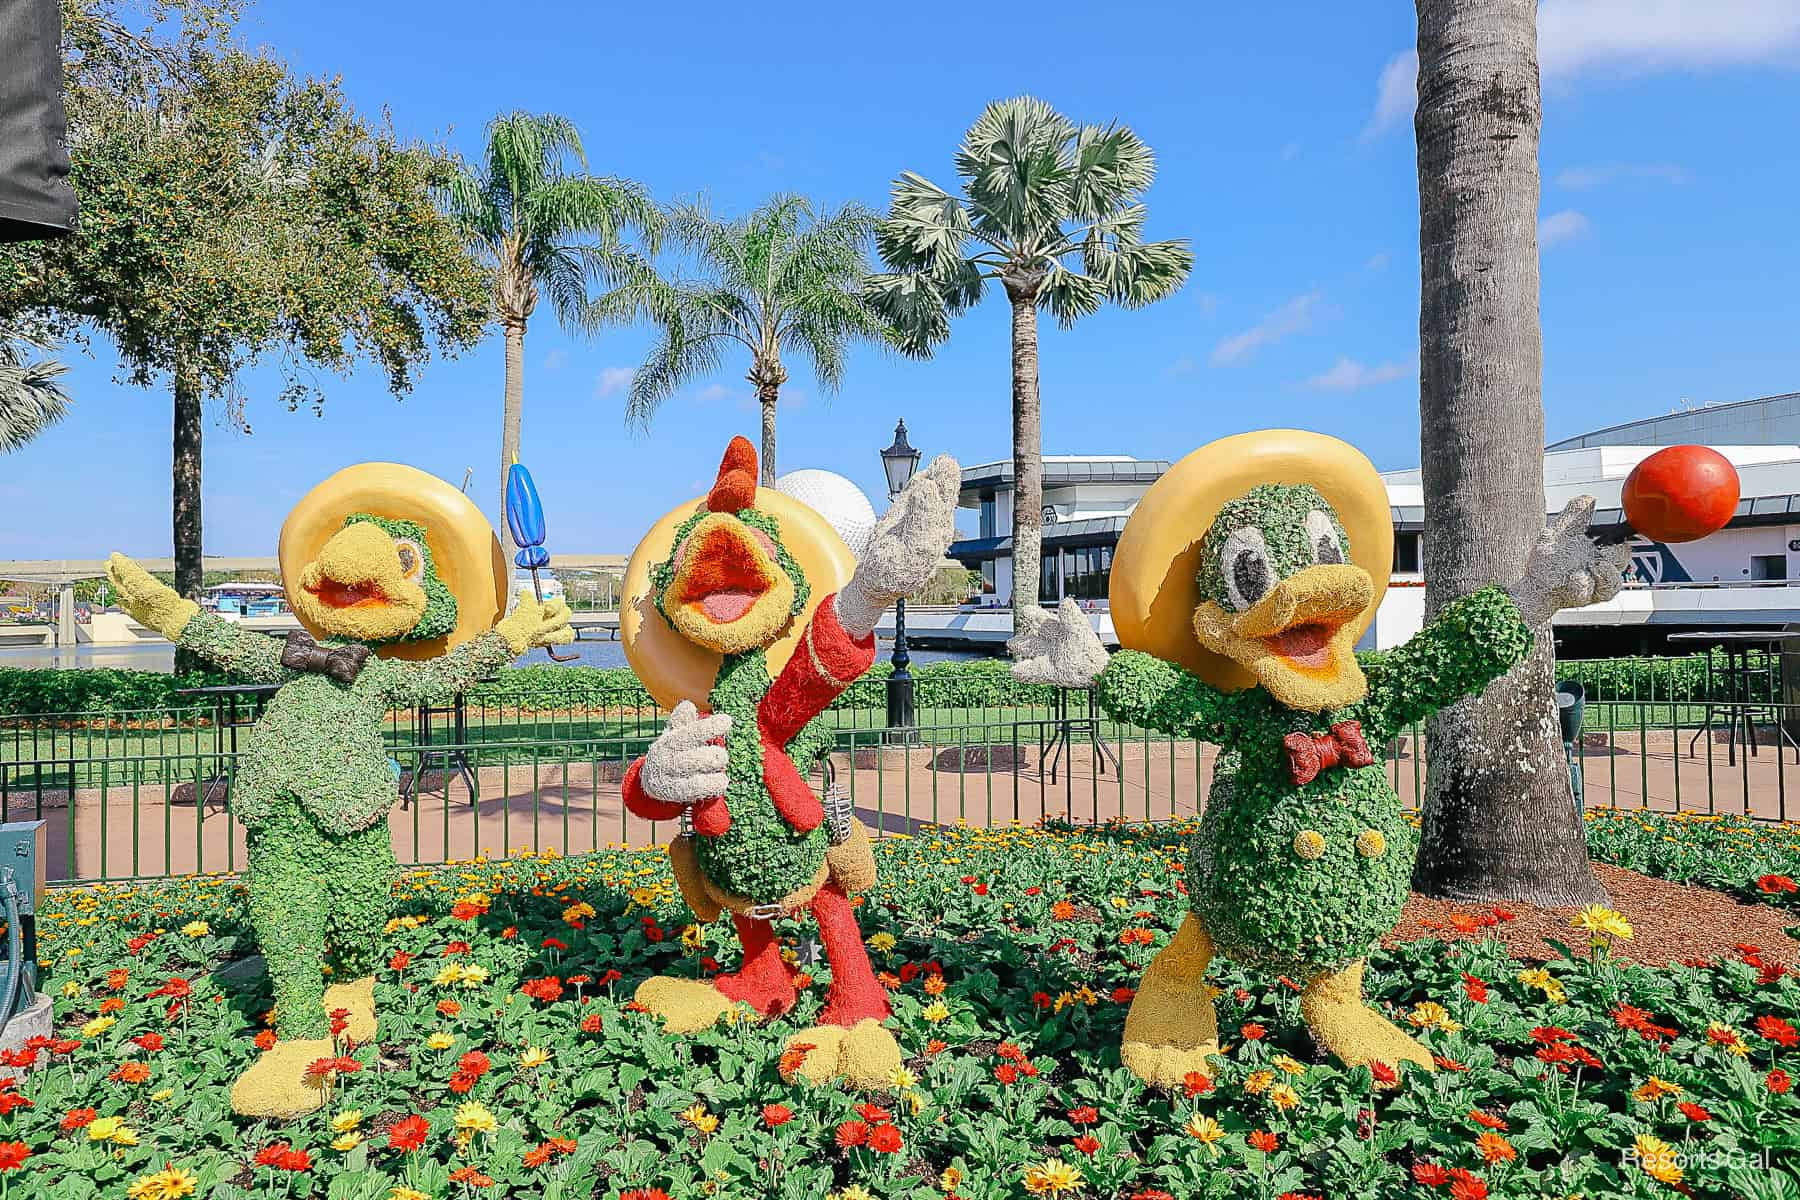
(684, 764)
(1566, 569)
(905, 548)
(536, 623)
(151, 602)
(1060, 649)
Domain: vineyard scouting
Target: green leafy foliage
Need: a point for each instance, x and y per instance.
(1034, 937)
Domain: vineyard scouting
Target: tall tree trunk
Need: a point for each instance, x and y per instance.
(190, 566)
(1500, 821)
(766, 376)
(1028, 463)
(511, 416)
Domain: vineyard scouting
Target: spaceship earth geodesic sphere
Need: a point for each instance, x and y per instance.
(835, 498)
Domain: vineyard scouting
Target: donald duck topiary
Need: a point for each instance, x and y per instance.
(748, 604)
(400, 585)
(1239, 588)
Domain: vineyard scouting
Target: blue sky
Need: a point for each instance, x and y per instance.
(1285, 155)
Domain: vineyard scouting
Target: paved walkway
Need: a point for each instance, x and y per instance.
(159, 830)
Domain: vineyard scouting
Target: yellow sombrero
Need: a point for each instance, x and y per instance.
(674, 669)
(464, 550)
(1154, 589)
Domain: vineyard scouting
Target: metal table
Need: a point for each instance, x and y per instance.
(454, 755)
(1070, 726)
(1738, 678)
(234, 706)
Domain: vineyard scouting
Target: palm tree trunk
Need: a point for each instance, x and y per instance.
(185, 501)
(766, 395)
(1499, 821)
(511, 416)
(1028, 465)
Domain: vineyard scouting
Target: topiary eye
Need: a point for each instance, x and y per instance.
(1327, 545)
(1244, 563)
(412, 560)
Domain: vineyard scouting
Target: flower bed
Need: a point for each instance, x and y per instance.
(511, 1064)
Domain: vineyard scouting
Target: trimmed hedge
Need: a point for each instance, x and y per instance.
(971, 683)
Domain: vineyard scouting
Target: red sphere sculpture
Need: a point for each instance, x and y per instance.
(1681, 493)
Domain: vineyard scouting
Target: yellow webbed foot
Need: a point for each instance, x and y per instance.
(863, 1057)
(1332, 1004)
(685, 1005)
(277, 1087)
(358, 999)
(1172, 1030)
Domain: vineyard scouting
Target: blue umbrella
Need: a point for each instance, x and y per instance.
(525, 517)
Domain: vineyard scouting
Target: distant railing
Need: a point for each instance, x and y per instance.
(134, 800)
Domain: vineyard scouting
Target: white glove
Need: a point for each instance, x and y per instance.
(1060, 648)
(1566, 569)
(905, 548)
(683, 766)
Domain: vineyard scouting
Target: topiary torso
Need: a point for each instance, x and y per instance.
(1261, 900)
(760, 857)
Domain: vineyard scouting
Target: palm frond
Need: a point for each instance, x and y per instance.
(1142, 274)
(1111, 165)
(525, 150)
(31, 400)
(679, 357)
(1070, 295)
(925, 227)
(914, 306)
(1016, 169)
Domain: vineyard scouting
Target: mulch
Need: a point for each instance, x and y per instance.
(1671, 923)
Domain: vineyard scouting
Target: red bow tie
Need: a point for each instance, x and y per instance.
(1310, 753)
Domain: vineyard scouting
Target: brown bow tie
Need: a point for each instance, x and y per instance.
(341, 663)
(1310, 753)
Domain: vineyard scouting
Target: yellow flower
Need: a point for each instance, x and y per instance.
(1052, 1177)
(1656, 1158)
(699, 1118)
(1259, 1082)
(1284, 1097)
(474, 1117)
(196, 929)
(440, 1041)
(1598, 919)
(1543, 981)
(1655, 1089)
(406, 1193)
(882, 942)
(1203, 1129)
(71, 989)
(449, 975)
(98, 1026)
(1724, 1036)
(170, 1183)
(111, 1129)
(693, 937)
(346, 1142)
(578, 911)
(949, 1178)
(347, 1120)
(1287, 1063)
(534, 1056)
(474, 976)
(1429, 1014)
(854, 1192)
(935, 1011)
(902, 1078)
(158, 1097)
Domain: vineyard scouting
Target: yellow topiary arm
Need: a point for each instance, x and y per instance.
(536, 622)
(151, 602)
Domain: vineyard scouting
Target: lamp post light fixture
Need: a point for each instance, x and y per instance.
(899, 461)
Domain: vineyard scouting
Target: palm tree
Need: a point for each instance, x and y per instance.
(538, 225)
(1051, 210)
(784, 280)
(1499, 822)
(31, 400)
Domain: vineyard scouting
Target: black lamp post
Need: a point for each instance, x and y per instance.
(899, 461)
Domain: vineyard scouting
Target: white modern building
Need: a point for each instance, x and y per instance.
(1746, 576)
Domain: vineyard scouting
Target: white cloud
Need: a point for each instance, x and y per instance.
(612, 379)
(1580, 179)
(1560, 227)
(1396, 94)
(1291, 318)
(1349, 375)
(554, 360)
(1648, 35)
(1377, 262)
(1630, 36)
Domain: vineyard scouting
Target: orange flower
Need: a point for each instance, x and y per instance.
(1263, 1140)
(111, 1004)
(1062, 910)
(117, 978)
(131, 1072)
(265, 1040)
(448, 1008)
(1494, 1148)
(934, 985)
(792, 1059)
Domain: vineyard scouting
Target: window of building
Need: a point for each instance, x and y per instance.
(1047, 577)
(1087, 572)
(987, 577)
(1768, 566)
(988, 511)
(1406, 553)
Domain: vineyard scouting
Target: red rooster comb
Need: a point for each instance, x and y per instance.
(736, 486)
